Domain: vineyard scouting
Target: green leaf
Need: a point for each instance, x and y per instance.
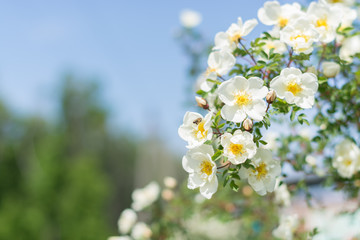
(216, 155)
(233, 186)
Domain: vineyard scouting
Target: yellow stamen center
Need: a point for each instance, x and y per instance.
(347, 162)
(260, 171)
(336, 1)
(283, 22)
(210, 70)
(236, 149)
(201, 129)
(303, 36)
(293, 87)
(270, 45)
(322, 23)
(242, 98)
(236, 37)
(206, 167)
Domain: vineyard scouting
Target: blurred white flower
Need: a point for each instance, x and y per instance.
(228, 40)
(219, 63)
(141, 231)
(190, 18)
(270, 137)
(277, 45)
(238, 146)
(300, 35)
(127, 220)
(282, 194)
(287, 227)
(170, 182)
(348, 15)
(263, 178)
(144, 197)
(325, 18)
(349, 48)
(305, 132)
(347, 158)
(199, 198)
(296, 87)
(119, 238)
(202, 170)
(311, 160)
(341, 2)
(280, 15)
(320, 172)
(243, 97)
(330, 69)
(196, 129)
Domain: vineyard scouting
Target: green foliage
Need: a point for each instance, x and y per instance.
(63, 180)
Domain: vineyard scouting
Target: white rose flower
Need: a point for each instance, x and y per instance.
(325, 18)
(267, 169)
(144, 197)
(349, 48)
(282, 194)
(330, 69)
(300, 35)
(190, 18)
(341, 2)
(287, 227)
(202, 82)
(348, 15)
(238, 146)
(277, 45)
(274, 14)
(196, 129)
(243, 97)
(127, 220)
(202, 170)
(347, 158)
(228, 40)
(295, 87)
(219, 63)
(141, 231)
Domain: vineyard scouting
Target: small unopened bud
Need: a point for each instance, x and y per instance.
(170, 182)
(271, 96)
(167, 194)
(202, 102)
(330, 69)
(248, 124)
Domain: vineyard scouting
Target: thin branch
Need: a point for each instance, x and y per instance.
(225, 165)
(251, 56)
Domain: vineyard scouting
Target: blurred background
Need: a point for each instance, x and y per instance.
(91, 96)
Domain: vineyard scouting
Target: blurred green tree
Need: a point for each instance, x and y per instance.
(67, 179)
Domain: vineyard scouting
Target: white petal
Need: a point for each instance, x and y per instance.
(240, 83)
(233, 113)
(277, 84)
(195, 181)
(256, 110)
(225, 92)
(209, 188)
(249, 26)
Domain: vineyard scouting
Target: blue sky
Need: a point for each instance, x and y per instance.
(128, 45)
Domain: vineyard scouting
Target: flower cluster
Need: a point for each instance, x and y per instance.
(244, 87)
(128, 222)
